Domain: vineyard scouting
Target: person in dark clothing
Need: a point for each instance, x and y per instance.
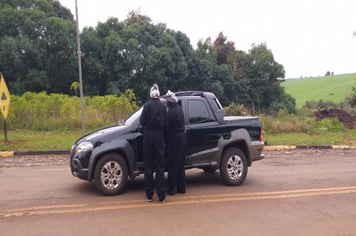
(176, 146)
(153, 118)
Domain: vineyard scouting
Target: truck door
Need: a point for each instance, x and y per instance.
(203, 132)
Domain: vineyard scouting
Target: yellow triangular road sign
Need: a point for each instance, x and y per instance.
(4, 97)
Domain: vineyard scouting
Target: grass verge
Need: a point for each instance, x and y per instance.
(25, 141)
(31, 141)
(347, 137)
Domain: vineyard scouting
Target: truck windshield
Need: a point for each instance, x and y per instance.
(133, 117)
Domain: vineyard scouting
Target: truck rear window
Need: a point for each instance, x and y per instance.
(198, 113)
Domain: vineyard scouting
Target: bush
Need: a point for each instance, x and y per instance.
(39, 111)
(303, 112)
(283, 114)
(287, 123)
(319, 105)
(286, 101)
(329, 124)
(235, 110)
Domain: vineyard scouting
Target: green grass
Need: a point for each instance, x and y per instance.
(25, 141)
(316, 88)
(347, 137)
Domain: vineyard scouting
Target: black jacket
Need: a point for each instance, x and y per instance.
(153, 115)
(175, 120)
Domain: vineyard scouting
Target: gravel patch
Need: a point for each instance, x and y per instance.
(46, 160)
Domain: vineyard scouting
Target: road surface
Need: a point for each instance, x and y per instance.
(287, 193)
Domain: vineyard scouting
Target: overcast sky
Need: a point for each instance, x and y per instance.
(308, 37)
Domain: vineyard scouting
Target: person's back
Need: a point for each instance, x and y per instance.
(176, 146)
(153, 118)
(175, 120)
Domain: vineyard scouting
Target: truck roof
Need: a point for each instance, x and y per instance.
(195, 93)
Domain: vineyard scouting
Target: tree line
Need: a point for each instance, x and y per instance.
(38, 52)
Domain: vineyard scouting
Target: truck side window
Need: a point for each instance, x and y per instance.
(198, 112)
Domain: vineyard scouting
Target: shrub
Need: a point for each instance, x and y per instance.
(331, 124)
(283, 114)
(319, 105)
(286, 101)
(266, 123)
(235, 110)
(287, 123)
(303, 112)
(39, 111)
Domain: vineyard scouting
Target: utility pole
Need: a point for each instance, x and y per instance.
(80, 68)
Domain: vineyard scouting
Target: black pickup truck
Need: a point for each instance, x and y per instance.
(215, 141)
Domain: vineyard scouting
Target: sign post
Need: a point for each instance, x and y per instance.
(4, 102)
(80, 68)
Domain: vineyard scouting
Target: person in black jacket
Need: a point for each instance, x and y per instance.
(153, 118)
(176, 146)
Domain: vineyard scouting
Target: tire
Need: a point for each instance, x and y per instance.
(111, 174)
(209, 169)
(233, 167)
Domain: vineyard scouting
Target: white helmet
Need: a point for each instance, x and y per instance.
(154, 91)
(170, 96)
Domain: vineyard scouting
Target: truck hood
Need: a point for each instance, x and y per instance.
(105, 134)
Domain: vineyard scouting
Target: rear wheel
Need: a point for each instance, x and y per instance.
(111, 174)
(233, 166)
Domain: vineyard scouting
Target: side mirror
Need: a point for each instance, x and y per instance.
(141, 129)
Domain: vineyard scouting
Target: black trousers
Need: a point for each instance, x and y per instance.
(153, 145)
(176, 151)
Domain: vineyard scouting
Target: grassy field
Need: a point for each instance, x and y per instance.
(32, 141)
(330, 88)
(347, 137)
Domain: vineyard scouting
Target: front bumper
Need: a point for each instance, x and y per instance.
(78, 170)
(79, 165)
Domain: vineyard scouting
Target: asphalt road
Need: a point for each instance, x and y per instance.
(287, 193)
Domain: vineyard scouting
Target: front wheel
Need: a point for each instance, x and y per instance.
(111, 174)
(233, 167)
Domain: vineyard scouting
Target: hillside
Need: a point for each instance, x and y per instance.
(330, 88)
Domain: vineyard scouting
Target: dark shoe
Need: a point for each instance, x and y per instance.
(163, 201)
(181, 191)
(170, 193)
(149, 199)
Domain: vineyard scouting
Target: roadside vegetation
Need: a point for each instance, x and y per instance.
(41, 122)
(58, 112)
(121, 60)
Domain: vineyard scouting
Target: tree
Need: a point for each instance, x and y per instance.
(135, 17)
(75, 86)
(38, 53)
(37, 39)
(225, 49)
(133, 54)
(265, 75)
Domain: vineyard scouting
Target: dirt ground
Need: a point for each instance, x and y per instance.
(45, 160)
(348, 120)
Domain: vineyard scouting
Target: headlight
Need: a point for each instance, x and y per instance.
(84, 147)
